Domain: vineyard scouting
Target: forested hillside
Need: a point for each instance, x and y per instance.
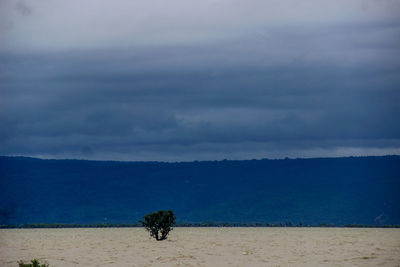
(359, 190)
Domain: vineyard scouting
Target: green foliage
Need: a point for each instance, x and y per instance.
(34, 263)
(159, 223)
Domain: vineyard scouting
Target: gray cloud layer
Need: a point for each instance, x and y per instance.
(137, 80)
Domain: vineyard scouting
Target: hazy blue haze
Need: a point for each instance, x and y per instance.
(364, 190)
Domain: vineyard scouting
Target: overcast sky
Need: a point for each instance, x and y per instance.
(183, 80)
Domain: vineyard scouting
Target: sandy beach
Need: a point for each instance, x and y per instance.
(203, 247)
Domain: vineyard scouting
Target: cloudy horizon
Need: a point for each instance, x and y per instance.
(188, 80)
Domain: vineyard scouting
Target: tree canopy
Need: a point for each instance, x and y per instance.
(159, 223)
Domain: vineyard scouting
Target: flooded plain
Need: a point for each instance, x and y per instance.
(192, 246)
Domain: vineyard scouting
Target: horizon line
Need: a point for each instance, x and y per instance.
(196, 161)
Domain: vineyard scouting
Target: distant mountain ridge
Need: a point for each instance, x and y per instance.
(349, 190)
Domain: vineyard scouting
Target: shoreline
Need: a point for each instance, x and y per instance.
(190, 225)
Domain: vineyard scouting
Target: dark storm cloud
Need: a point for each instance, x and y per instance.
(22, 8)
(271, 91)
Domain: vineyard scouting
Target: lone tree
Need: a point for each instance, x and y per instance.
(159, 223)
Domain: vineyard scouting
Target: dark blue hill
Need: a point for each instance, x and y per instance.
(359, 190)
